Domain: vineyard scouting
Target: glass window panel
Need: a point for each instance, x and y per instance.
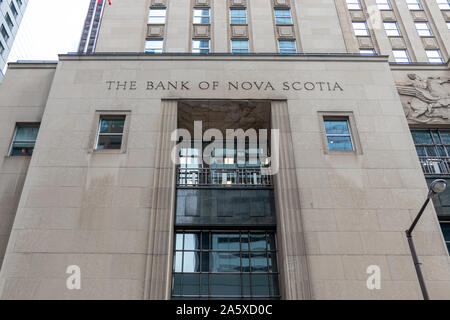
(337, 127)
(205, 262)
(225, 284)
(112, 125)
(178, 262)
(157, 16)
(192, 241)
(274, 285)
(421, 151)
(201, 16)
(283, 16)
(383, 4)
(191, 262)
(431, 151)
(443, 4)
(109, 142)
(445, 136)
(259, 262)
(413, 5)
(238, 16)
(271, 242)
(360, 28)
(225, 241)
(422, 137)
(176, 284)
(353, 5)
(273, 266)
(205, 241)
(257, 241)
(436, 137)
(239, 46)
(204, 285)
(154, 46)
(225, 262)
(245, 261)
(260, 285)
(26, 133)
(245, 241)
(179, 241)
(340, 143)
(401, 56)
(441, 151)
(246, 290)
(391, 29)
(191, 284)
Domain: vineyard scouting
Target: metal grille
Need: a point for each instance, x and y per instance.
(244, 177)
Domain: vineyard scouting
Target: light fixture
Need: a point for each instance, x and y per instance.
(438, 186)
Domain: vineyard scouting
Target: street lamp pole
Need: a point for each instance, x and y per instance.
(436, 187)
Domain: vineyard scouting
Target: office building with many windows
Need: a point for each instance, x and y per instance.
(11, 14)
(230, 149)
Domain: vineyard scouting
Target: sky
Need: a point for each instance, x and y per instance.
(49, 27)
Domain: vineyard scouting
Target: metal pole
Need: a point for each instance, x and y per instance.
(417, 265)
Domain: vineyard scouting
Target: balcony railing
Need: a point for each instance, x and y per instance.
(212, 177)
(435, 165)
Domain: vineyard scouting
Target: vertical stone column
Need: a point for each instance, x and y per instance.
(345, 21)
(160, 231)
(178, 26)
(220, 27)
(262, 28)
(294, 276)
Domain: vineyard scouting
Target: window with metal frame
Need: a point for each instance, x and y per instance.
(4, 33)
(239, 46)
(9, 21)
(202, 16)
(383, 4)
(443, 4)
(287, 46)
(13, 9)
(154, 46)
(24, 140)
(211, 264)
(200, 46)
(423, 29)
(392, 29)
(353, 5)
(360, 28)
(367, 52)
(283, 16)
(110, 132)
(434, 56)
(238, 16)
(157, 16)
(433, 149)
(338, 134)
(401, 56)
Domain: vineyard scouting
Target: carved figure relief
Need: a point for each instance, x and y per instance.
(425, 100)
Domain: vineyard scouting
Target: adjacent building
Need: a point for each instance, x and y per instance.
(11, 14)
(348, 100)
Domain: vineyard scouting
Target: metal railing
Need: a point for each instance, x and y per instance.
(240, 177)
(435, 165)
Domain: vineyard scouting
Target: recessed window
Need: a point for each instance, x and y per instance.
(225, 265)
(24, 140)
(353, 5)
(367, 52)
(433, 149)
(2, 48)
(202, 16)
(4, 33)
(13, 9)
(154, 46)
(423, 29)
(434, 56)
(401, 56)
(238, 16)
(283, 16)
(239, 46)
(360, 28)
(443, 4)
(338, 134)
(413, 4)
(19, 2)
(287, 46)
(200, 46)
(383, 5)
(391, 29)
(110, 132)
(9, 21)
(157, 16)
(448, 26)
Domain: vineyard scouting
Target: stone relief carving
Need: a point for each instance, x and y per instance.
(425, 100)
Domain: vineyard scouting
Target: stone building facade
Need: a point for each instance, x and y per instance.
(354, 94)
